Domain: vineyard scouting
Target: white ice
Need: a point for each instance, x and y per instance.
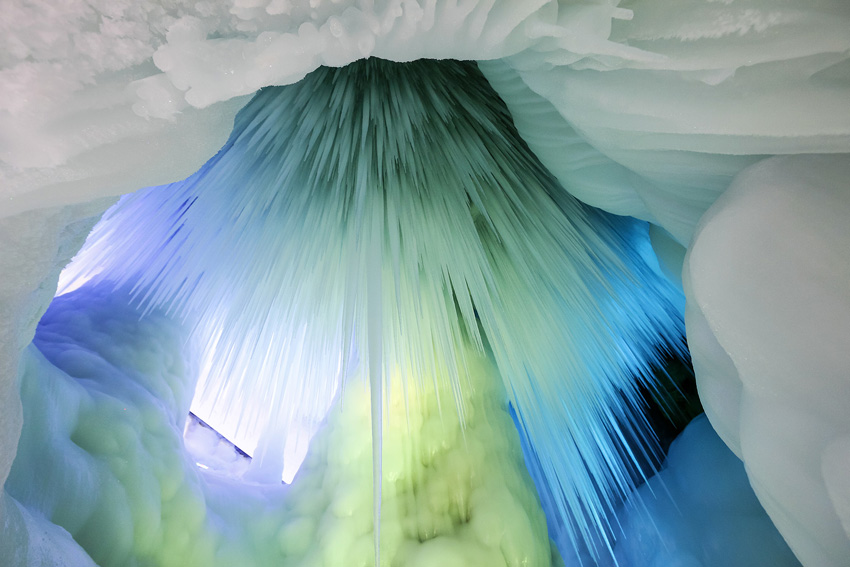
(770, 327)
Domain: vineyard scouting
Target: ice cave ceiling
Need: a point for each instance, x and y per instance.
(541, 221)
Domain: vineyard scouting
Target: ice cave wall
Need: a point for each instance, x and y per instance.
(639, 108)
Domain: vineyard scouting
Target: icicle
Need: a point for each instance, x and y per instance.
(375, 340)
(270, 253)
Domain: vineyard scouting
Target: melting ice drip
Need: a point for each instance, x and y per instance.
(392, 210)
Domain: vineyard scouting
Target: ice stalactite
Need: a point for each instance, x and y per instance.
(267, 253)
(374, 302)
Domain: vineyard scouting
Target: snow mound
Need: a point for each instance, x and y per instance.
(768, 320)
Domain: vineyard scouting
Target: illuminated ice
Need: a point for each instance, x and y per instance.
(758, 296)
(699, 510)
(326, 192)
(106, 395)
(647, 108)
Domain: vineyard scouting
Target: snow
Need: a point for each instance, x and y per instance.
(778, 303)
(660, 106)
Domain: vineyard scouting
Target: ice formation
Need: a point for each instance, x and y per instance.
(657, 110)
(699, 510)
(450, 188)
(112, 412)
(779, 389)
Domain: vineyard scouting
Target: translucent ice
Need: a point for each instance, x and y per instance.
(646, 108)
(699, 510)
(327, 192)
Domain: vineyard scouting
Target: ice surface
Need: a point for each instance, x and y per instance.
(663, 102)
(699, 510)
(212, 451)
(36, 245)
(101, 455)
(100, 100)
(769, 281)
(30, 540)
(694, 91)
(85, 144)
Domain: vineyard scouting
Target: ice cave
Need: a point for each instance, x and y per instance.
(425, 283)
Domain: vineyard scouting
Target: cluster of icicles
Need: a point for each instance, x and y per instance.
(389, 215)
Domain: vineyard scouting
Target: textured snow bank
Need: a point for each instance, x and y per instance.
(768, 321)
(699, 511)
